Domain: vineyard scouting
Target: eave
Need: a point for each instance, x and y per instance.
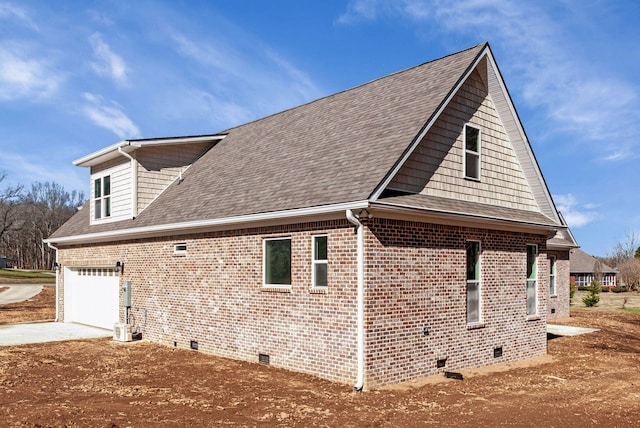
(128, 146)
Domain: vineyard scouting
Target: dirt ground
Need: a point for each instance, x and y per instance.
(586, 380)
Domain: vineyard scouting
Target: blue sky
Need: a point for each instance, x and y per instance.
(77, 76)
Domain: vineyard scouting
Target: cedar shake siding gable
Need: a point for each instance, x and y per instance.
(436, 166)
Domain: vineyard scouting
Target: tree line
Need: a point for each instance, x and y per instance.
(30, 214)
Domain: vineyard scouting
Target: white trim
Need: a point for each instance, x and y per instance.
(315, 262)
(103, 217)
(264, 262)
(478, 153)
(200, 225)
(553, 275)
(177, 250)
(536, 280)
(478, 281)
(127, 146)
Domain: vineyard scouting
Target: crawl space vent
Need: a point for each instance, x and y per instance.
(194, 345)
(263, 358)
(497, 352)
(441, 363)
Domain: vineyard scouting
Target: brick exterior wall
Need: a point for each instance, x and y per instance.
(414, 278)
(559, 304)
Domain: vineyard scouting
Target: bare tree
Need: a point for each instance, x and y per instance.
(10, 198)
(624, 250)
(629, 272)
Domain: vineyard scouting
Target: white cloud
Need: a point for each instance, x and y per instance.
(24, 168)
(576, 214)
(109, 116)
(25, 77)
(243, 78)
(7, 10)
(108, 63)
(577, 93)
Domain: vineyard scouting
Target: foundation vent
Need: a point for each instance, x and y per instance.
(497, 352)
(194, 345)
(263, 358)
(441, 363)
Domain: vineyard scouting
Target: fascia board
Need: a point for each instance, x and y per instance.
(244, 221)
(383, 185)
(128, 146)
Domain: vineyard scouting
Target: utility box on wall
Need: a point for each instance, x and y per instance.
(126, 292)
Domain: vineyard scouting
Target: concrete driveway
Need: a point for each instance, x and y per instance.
(20, 334)
(18, 292)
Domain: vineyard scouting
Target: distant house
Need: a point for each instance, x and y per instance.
(7, 263)
(391, 231)
(582, 266)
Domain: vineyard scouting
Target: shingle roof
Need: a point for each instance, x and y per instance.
(440, 205)
(334, 150)
(581, 262)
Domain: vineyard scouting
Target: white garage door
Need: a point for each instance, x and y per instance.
(91, 296)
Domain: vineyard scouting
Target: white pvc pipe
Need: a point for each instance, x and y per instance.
(360, 301)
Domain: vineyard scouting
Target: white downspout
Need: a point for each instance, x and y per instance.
(360, 301)
(134, 182)
(57, 268)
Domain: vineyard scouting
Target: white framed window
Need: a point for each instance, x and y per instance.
(102, 197)
(277, 262)
(532, 280)
(472, 152)
(473, 282)
(320, 263)
(180, 248)
(552, 275)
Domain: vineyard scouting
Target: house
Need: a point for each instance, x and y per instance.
(7, 263)
(583, 270)
(387, 232)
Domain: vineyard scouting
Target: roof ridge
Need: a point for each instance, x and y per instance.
(386, 76)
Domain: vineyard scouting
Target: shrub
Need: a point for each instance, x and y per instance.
(619, 289)
(593, 297)
(572, 290)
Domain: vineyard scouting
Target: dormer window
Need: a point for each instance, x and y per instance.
(102, 197)
(471, 152)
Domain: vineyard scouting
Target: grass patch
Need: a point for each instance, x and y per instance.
(11, 276)
(632, 310)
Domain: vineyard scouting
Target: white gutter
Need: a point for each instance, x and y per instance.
(57, 269)
(134, 181)
(360, 301)
(199, 225)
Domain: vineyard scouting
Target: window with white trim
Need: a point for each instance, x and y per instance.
(320, 265)
(473, 282)
(532, 279)
(277, 262)
(471, 152)
(552, 275)
(102, 197)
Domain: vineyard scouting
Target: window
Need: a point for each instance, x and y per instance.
(471, 152)
(552, 275)
(319, 261)
(102, 197)
(532, 268)
(277, 262)
(473, 282)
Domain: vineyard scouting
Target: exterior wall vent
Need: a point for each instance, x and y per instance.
(263, 358)
(497, 352)
(194, 345)
(441, 363)
(553, 310)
